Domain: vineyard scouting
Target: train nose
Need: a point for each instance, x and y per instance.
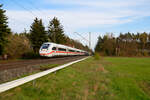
(43, 52)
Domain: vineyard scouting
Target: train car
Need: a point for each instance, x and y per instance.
(52, 49)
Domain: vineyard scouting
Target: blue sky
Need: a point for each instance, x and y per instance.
(82, 16)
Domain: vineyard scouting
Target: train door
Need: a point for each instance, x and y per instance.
(54, 49)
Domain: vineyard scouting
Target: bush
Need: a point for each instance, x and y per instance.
(17, 46)
(30, 55)
(139, 54)
(96, 56)
(145, 53)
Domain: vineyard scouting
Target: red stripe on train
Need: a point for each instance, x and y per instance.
(59, 52)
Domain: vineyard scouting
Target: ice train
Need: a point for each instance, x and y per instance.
(50, 49)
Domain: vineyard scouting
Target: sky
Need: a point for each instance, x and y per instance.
(83, 16)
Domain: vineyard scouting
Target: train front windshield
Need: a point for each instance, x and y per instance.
(45, 46)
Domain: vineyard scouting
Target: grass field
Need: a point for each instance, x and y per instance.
(105, 79)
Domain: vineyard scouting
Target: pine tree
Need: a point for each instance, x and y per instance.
(4, 31)
(98, 47)
(38, 35)
(143, 39)
(56, 32)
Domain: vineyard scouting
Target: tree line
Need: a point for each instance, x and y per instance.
(27, 44)
(127, 44)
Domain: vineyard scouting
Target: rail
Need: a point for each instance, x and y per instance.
(9, 85)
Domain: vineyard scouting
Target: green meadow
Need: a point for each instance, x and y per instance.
(108, 78)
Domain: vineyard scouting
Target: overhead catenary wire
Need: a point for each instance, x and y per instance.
(20, 5)
(81, 36)
(28, 10)
(10, 18)
(30, 5)
(35, 7)
(34, 14)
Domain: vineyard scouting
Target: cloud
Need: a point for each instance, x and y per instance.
(73, 20)
(86, 14)
(100, 3)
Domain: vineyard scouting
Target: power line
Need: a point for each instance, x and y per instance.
(85, 40)
(81, 36)
(89, 41)
(11, 19)
(27, 9)
(31, 6)
(15, 2)
(30, 2)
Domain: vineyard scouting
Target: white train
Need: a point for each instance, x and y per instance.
(52, 49)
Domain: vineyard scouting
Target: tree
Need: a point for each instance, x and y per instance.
(106, 45)
(128, 44)
(4, 31)
(149, 37)
(25, 33)
(148, 44)
(56, 32)
(18, 46)
(38, 35)
(99, 44)
(143, 39)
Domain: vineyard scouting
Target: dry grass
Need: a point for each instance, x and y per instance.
(91, 80)
(145, 86)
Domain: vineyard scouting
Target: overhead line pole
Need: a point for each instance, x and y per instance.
(89, 40)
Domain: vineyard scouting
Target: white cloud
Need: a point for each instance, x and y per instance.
(100, 3)
(73, 20)
(77, 19)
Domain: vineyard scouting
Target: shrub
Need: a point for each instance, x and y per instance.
(17, 46)
(139, 54)
(145, 53)
(96, 56)
(30, 55)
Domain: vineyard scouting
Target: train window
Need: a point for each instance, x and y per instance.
(54, 48)
(71, 50)
(45, 46)
(61, 49)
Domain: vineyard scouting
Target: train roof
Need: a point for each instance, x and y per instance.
(64, 46)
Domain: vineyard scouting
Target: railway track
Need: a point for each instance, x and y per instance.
(26, 63)
(9, 85)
